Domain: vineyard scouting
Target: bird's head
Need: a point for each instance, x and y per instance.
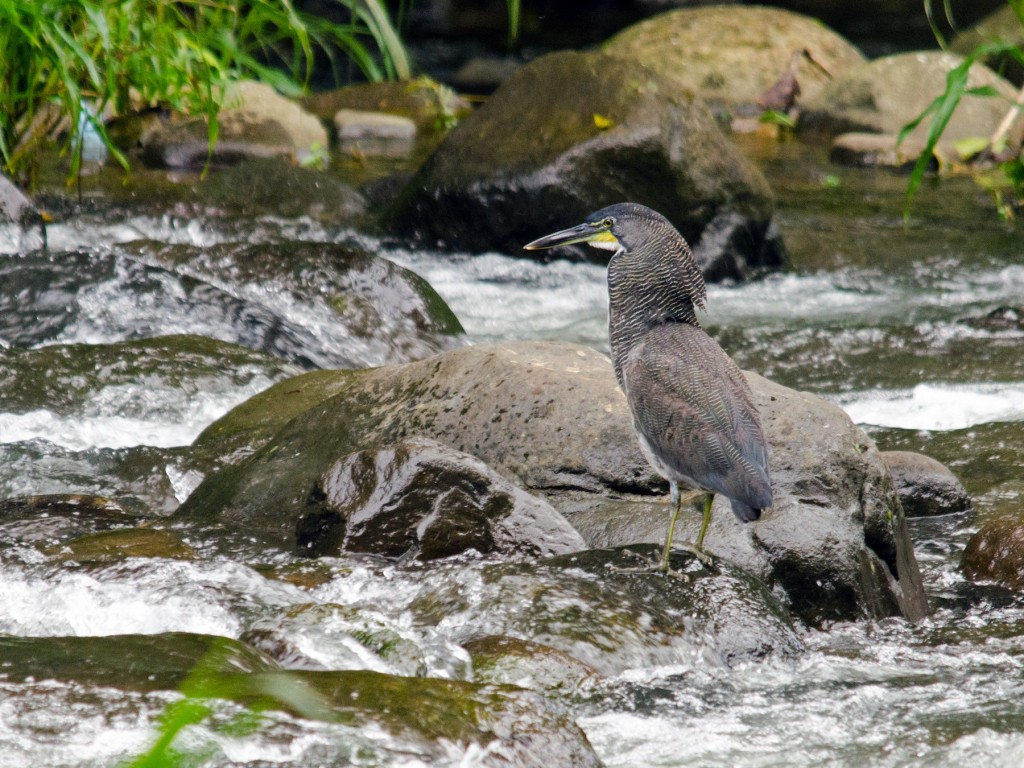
(617, 228)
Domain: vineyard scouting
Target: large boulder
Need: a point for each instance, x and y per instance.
(573, 132)
(884, 95)
(551, 418)
(730, 55)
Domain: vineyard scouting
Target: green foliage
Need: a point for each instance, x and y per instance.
(212, 679)
(942, 107)
(67, 62)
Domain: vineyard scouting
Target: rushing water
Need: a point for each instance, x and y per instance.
(891, 322)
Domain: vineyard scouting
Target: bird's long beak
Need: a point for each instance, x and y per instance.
(584, 233)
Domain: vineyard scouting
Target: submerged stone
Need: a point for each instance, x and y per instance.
(514, 661)
(996, 552)
(585, 605)
(118, 545)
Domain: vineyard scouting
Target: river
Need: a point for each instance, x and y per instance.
(898, 323)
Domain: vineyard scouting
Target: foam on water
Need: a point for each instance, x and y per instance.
(129, 415)
(144, 597)
(937, 406)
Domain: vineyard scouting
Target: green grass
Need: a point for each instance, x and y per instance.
(940, 111)
(66, 61)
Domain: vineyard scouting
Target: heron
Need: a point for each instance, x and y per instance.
(693, 410)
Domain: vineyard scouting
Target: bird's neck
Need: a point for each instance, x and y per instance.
(643, 296)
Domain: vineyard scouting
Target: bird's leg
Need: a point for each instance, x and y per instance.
(676, 503)
(708, 501)
(697, 548)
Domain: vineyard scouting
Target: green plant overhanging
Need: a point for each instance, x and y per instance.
(67, 62)
(942, 107)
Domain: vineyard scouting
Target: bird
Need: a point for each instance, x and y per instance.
(693, 411)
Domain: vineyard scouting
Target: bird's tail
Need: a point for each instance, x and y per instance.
(744, 512)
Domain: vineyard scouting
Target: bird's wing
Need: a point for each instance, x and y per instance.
(694, 408)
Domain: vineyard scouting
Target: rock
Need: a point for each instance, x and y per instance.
(730, 55)
(495, 402)
(1003, 26)
(421, 498)
(609, 620)
(874, 149)
(126, 662)
(331, 305)
(550, 417)
(116, 546)
(255, 121)
(386, 719)
(504, 660)
(531, 161)
(883, 95)
(19, 214)
(1003, 318)
(430, 105)
(43, 519)
(332, 636)
(996, 552)
(925, 486)
(374, 133)
(483, 74)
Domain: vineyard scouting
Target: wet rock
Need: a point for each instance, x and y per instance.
(504, 660)
(1003, 318)
(610, 620)
(421, 498)
(126, 662)
(331, 305)
(883, 95)
(118, 545)
(925, 486)
(483, 74)
(48, 519)
(550, 416)
(730, 55)
(531, 161)
(255, 121)
(388, 719)
(332, 636)
(996, 552)
(27, 226)
(424, 717)
(374, 133)
(546, 415)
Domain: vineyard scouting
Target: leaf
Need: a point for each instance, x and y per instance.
(967, 148)
(602, 123)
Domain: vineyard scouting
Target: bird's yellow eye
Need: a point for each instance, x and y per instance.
(608, 223)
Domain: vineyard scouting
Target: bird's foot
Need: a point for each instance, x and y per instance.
(660, 564)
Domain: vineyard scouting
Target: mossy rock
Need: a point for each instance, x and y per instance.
(514, 661)
(118, 545)
(533, 160)
(731, 54)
